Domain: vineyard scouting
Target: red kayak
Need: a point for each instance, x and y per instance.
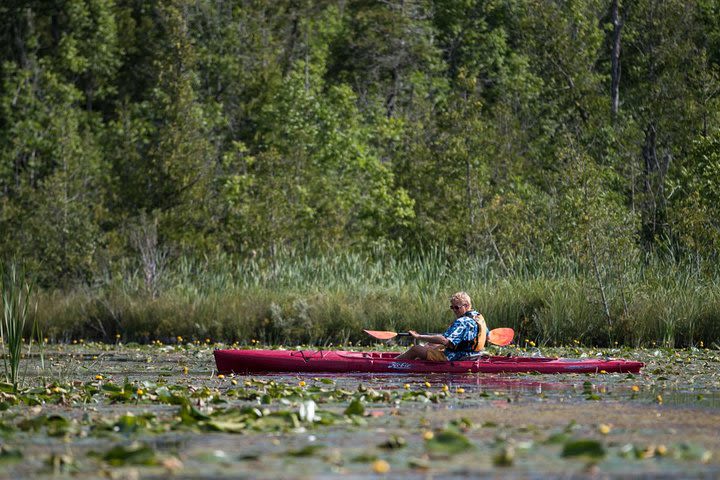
(292, 361)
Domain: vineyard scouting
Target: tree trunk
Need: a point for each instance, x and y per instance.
(654, 173)
(617, 23)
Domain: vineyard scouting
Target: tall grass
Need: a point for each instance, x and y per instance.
(296, 298)
(16, 291)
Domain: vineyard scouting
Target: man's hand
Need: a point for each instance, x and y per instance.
(414, 334)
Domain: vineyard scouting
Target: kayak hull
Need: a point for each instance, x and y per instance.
(322, 361)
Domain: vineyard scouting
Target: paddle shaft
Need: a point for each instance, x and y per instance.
(498, 336)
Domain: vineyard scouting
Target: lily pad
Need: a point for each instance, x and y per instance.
(583, 447)
(134, 454)
(448, 442)
(355, 408)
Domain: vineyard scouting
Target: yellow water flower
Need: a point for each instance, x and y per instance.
(302, 383)
(428, 435)
(604, 428)
(460, 390)
(406, 386)
(186, 370)
(427, 385)
(221, 376)
(140, 392)
(381, 466)
(233, 381)
(635, 388)
(445, 388)
(98, 377)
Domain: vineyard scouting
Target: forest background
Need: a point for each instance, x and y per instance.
(295, 171)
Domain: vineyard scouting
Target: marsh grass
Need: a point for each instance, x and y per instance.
(16, 290)
(329, 299)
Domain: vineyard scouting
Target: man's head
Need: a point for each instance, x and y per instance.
(460, 304)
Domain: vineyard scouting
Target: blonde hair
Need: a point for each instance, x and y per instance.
(461, 298)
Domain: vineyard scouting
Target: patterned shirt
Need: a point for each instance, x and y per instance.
(461, 335)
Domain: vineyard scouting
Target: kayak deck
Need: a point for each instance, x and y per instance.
(292, 361)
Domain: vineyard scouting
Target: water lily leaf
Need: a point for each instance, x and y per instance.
(227, 427)
(133, 454)
(165, 395)
(686, 451)
(448, 442)
(306, 451)
(130, 423)
(394, 442)
(419, 463)
(190, 415)
(326, 417)
(583, 447)
(358, 421)
(277, 421)
(364, 458)
(558, 437)
(355, 408)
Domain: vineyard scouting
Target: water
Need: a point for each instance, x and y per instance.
(658, 423)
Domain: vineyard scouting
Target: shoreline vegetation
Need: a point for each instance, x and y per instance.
(329, 299)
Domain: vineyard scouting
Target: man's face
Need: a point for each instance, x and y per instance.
(459, 308)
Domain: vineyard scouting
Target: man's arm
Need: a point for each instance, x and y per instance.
(438, 339)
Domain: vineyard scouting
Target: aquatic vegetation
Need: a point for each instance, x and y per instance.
(124, 411)
(16, 290)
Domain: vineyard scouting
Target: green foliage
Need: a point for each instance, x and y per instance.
(696, 198)
(145, 136)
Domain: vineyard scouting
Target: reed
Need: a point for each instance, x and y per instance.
(16, 290)
(295, 298)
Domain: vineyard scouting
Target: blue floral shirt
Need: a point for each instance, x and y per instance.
(461, 335)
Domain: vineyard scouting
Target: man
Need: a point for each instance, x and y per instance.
(466, 335)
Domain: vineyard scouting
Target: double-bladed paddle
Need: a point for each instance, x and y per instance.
(497, 336)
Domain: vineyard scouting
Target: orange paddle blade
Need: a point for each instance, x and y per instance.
(501, 336)
(381, 335)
